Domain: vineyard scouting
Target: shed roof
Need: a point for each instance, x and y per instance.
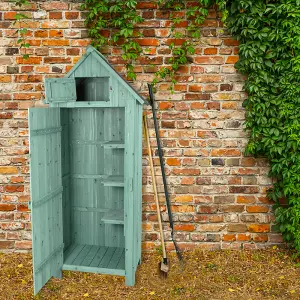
(102, 60)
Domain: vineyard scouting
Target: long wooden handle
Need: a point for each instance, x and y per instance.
(154, 186)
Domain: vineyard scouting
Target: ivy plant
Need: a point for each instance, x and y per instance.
(113, 22)
(21, 31)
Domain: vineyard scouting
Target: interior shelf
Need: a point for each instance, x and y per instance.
(114, 216)
(106, 180)
(114, 144)
(104, 144)
(113, 180)
(95, 259)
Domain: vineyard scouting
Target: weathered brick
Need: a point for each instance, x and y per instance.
(237, 228)
(259, 228)
(7, 244)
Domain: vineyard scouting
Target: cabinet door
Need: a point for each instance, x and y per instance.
(60, 90)
(46, 194)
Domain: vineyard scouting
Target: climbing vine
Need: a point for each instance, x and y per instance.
(269, 35)
(21, 31)
(112, 23)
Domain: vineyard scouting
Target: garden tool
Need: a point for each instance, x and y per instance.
(162, 166)
(163, 267)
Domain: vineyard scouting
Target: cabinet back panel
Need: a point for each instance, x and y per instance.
(90, 162)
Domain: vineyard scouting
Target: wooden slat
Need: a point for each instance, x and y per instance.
(38, 132)
(90, 256)
(98, 257)
(114, 180)
(107, 257)
(73, 254)
(48, 197)
(96, 270)
(121, 263)
(115, 259)
(82, 255)
(48, 258)
(114, 216)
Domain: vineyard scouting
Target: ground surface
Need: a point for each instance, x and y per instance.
(263, 274)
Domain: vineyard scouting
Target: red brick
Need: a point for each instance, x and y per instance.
(259, 228)
(54, 33)
(210, 51)
(14, 188)
(8, 170)
(146, 5)
(10, 15)
(209, 60)
(231, 42)
(246, 199)
(7, 207)
(257, 209)
(7, 244)
(229, 238)
(173, 161)
(41, 33)
(55, 5)
(72, 15)
(243, 237)
(23, 245)
(225, 152)
(57, 60)
(5, 78)
(55, 15)
(244, 189)
(32, 60)
(232, 59)
(237, 228)
(184, 227)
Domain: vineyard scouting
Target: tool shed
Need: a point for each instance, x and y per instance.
(86, 174)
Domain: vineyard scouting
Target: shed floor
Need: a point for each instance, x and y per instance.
(95, 259)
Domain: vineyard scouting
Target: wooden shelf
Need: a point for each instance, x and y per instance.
(95, 259)
(104, 144)
(114, 180)
(114, 144)
(114, 216)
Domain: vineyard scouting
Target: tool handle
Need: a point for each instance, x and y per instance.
(145, 126)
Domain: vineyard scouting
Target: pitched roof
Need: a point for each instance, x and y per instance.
(102, 60)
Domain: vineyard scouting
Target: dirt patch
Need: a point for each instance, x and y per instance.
(261, 274)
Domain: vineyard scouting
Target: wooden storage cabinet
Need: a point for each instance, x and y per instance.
(86, 174)
(93, 178)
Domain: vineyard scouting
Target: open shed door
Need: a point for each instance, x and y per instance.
(46, 194)
(60, 90)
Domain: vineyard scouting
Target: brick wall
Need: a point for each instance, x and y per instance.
(218, 195)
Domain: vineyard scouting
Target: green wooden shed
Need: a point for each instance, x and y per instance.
(86, 174)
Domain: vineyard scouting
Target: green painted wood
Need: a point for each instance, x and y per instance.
(71, 253)
(121, 263)
(90, 256)
(60, 90)
(107, 257)
(96, 270)
(114, 216)
(115, 258)
(94, 64)
(98, 257)
(138, 180)
(128, 194)
(45, 182)
(82, 255)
